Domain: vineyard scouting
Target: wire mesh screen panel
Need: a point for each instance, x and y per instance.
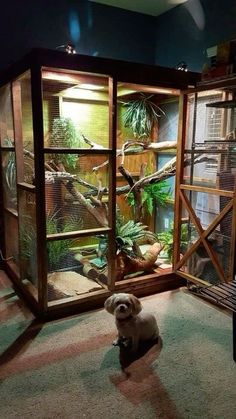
(200, 266)
(196, 253)
(208, 185)
(23, 121)
(74, 199)
(221, 246)
(11, 241)
(212, 167)
(75, 110)
(204, 234)
(9, 179)
(206, 206)
(168, 123)
(27, 241)
(196, 168)
(76, 266)
(6, 118)
(188, 235)
(203, 123)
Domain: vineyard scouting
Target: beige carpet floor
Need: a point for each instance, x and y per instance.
(69, 369)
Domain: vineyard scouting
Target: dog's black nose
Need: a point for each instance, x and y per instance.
(122, 308)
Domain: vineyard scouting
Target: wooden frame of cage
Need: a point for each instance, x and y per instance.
(182, 200)
(117, 71)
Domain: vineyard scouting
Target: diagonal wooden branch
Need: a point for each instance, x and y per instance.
(98, 209)
(169, 169)
(126, 264)
(126, 146)
(129, 148)
(164, 173)
(136, 192)
(91, 143)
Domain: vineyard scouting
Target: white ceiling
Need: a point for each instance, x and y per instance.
(149, 7)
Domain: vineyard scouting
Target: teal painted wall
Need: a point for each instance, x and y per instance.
(184, 34)
(95, 29)
(110, 32)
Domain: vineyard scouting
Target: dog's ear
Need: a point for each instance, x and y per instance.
(136, 305)
(109, 304)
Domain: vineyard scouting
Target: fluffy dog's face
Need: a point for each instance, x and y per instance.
(123, 305)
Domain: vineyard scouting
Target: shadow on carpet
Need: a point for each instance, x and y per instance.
(147, 352)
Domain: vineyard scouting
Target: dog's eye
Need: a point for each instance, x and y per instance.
(127, 304)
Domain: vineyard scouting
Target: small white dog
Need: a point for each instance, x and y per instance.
(132, 326)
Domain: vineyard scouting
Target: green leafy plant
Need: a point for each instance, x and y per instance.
(28, 254)
(152, 194)
(58, 249)
(141, 114)
(9, 171)
(127, 233)
(166, 238)
(27, 238)
(64, 135)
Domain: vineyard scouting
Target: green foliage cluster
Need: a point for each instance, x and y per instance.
(140, 115)
(128, 233)
(27, 238)
(28, 249)
(9, 170)
(58, 249)
(166, 238)
(153, 193)
(64, 135)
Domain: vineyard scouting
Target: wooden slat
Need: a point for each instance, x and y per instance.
(205, 235)
(17, 122)
(188, 253)
(228, 81)
(212, 150)
(144, 285)
(179, 176)
(218, 219)
(218, 297)
(200, 230)
(77, 233)
(21, 289)
(192, 278)
(82, 298)
(205, 189)
(93, 151)
(37, 113)
(73, 78)
(26, 186)
(112, 183)
(151, 89)
(11, 211)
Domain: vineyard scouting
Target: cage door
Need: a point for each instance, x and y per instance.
(205, 204)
